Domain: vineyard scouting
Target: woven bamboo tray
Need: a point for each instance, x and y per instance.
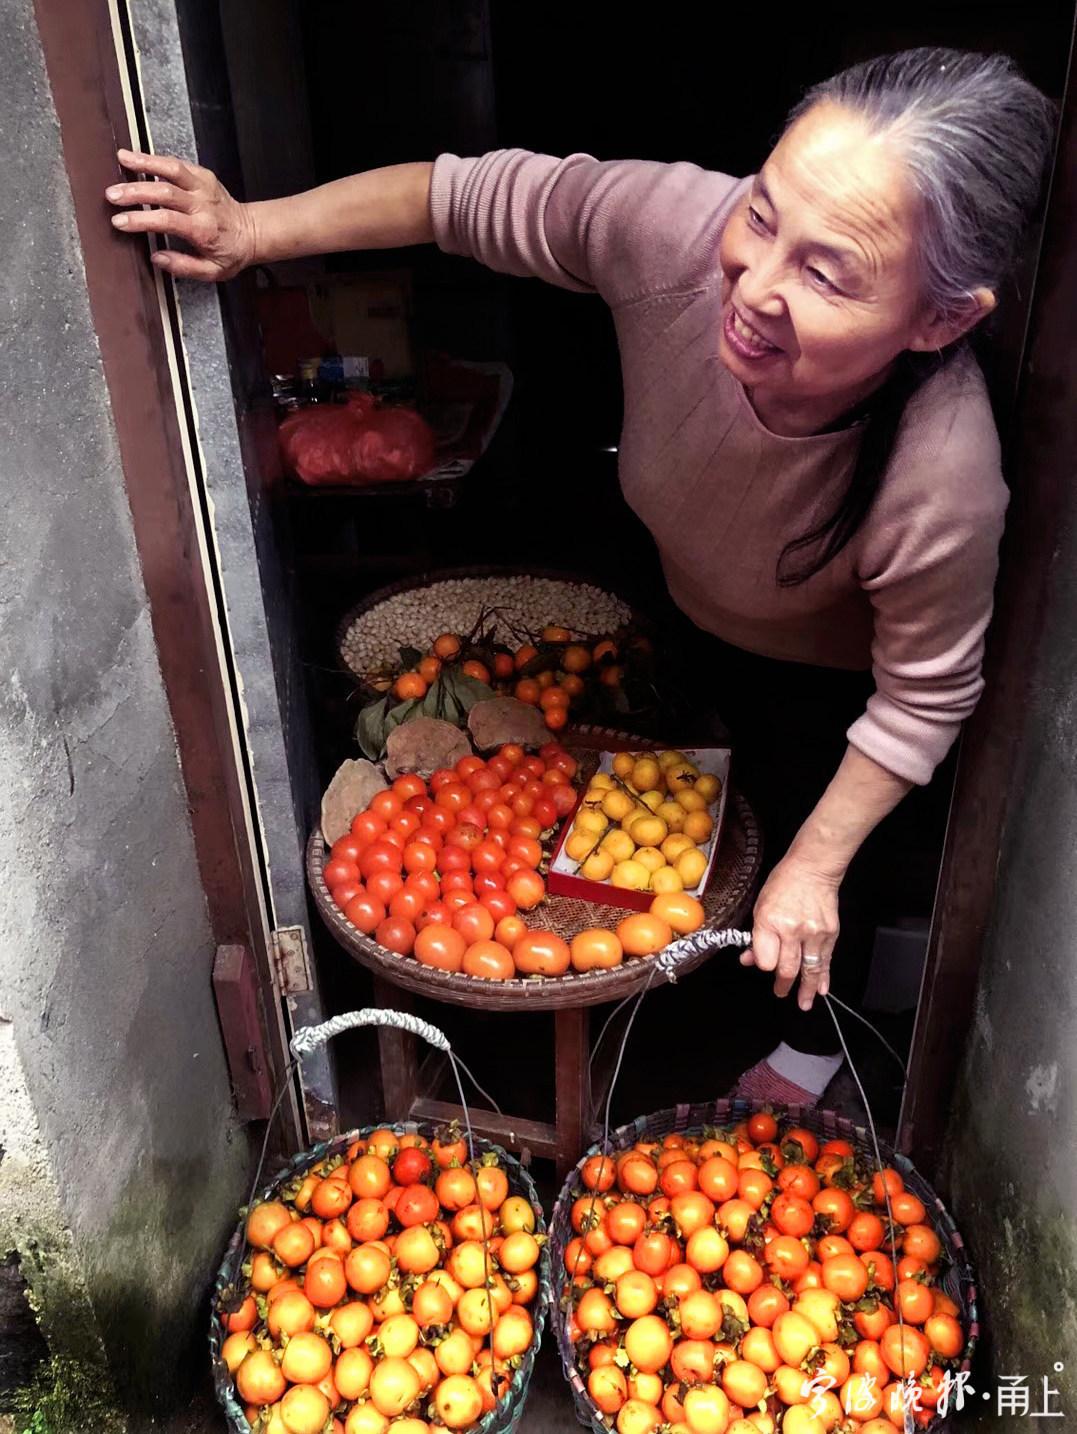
(727, 898)
(506, 1417)
(438, 575)
(959, 1281)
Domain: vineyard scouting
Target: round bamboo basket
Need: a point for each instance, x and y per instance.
(506, 1417)
(958, 1280)
(495, 574)
(727, 898)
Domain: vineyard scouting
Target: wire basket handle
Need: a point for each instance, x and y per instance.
(309, 1038)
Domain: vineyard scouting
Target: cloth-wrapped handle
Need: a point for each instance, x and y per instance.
(309, 1038)
(678, 952)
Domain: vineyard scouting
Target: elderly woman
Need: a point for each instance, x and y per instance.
(806, 434)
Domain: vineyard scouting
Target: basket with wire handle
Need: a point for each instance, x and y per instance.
(397, 1272)
(723, 1262)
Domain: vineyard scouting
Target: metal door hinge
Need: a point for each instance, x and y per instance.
(293, 960)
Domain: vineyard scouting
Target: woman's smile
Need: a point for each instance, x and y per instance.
(745, 339)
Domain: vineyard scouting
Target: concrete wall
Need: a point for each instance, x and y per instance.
(1011, 1162)
(1011, 1167)
(105, 946)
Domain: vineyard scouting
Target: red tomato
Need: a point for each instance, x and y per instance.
(527, 849)
(408, 904)
(523, 806)
(457, 900)
(471, 816)
(545, 813)
(484, 781)
(469, 764)
(438, 819)
(345, 892)
(442, 778)
(397, 839)
(367, 827)
(456, 881)
(488, 881)
(365, 912)
(396, 935)
(336, 872)
(407, 823)
(453, 795)
(474, 923)
(381, 856)
(498, 903)
(410, 1166)
(564, 799)
(419, 857)
(438, 913)
(386, 805)
(467, 837)
(453, 858)
(425, 883)
(533, 766)
(564, 762)
(501, 767)
(512, 752)
(384, 885)
(347, 848)
(409, 786)
(434, 840)
(500, 817)
(487, 856)
(421, 806)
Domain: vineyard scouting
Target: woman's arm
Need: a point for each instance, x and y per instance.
(623, 228)
(797, 911)
(382, 209)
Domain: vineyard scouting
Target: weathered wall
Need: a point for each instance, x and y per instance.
(1011, 1163)
(105, 947)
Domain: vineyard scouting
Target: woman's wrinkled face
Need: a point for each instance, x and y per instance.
(821, 289)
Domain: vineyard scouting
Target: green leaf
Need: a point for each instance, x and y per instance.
(370, 728)
(400, 714)
(466, 691)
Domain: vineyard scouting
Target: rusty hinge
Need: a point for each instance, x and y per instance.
(293, 959)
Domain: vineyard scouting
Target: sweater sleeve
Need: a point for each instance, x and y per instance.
(929, 565)
(622, 228)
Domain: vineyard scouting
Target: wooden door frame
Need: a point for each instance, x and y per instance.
(80, 52)
(1041, 472)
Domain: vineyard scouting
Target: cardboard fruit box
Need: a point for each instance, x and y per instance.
(564, 878)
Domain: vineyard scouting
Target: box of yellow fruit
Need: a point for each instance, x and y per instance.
(648, 822)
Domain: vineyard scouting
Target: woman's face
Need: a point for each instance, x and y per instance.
(821, 289)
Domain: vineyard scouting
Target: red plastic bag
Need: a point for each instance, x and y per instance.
(357, 442)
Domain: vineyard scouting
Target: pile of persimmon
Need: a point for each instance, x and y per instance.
(386, 1290)
(745, 1281)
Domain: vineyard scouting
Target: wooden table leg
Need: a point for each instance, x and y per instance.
(396, 1052)
(572, 1085)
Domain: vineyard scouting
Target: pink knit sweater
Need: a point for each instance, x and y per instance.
(909, 597)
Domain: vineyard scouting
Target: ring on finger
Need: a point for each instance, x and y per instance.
(811, 963)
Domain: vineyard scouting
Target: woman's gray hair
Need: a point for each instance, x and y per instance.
(977, 138)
